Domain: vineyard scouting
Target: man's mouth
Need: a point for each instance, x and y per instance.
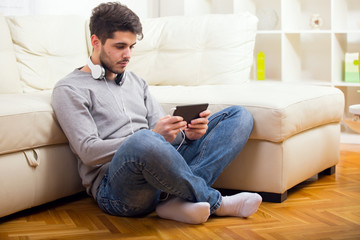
(123, 63)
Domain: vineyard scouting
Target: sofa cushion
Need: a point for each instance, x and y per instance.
(280, 110)
(216, 49)
(27, 121)
(47, 48)
(9, 74)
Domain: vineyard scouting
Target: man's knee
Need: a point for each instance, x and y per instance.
(243, 114)
(143, 141)
(243, 119)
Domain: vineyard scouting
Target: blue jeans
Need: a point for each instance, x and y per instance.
(146, 165)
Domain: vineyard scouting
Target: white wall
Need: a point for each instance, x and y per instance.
(80, 7)
(195, 7)
(143, 8)
(16, 7)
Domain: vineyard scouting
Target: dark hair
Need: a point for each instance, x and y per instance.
(110, 17)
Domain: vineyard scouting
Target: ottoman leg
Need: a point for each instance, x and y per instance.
(274, 197)
(328, 171)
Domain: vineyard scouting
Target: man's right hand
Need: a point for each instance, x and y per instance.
(169, 127)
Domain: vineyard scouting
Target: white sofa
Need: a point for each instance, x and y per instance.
(185, 60)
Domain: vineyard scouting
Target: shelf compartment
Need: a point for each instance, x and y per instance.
(316, 57)
(299, 12)
(307, 58)
(343, 43)
(291, 62)
(270, 45)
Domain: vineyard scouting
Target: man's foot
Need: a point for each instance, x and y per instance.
(239, 205)
(182, 211)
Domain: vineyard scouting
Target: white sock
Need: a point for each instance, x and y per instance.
(239, 205)
(179, 210)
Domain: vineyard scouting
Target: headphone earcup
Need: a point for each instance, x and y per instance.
(97, 71)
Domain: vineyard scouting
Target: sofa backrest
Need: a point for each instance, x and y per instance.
(196, 50)
(9, 74)
(37, 51)
(47, 48)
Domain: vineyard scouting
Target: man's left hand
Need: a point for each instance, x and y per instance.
(198, 127)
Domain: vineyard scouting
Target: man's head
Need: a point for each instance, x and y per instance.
(114, 30)
(108, 18)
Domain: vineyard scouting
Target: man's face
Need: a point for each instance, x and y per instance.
(116, 52)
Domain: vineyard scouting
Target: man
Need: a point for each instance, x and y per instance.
(129, 151)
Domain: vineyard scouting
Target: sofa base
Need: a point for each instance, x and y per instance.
(268, 167)
(24, 184)
(274, 197)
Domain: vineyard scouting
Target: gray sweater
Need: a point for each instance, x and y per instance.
(95, 118)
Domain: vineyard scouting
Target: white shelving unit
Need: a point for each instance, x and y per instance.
(297, 52)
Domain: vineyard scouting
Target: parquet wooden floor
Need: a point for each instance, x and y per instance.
(327, 207)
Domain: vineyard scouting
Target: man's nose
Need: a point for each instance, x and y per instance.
(127, 53)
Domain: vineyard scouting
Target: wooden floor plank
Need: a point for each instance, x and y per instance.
(325, 207)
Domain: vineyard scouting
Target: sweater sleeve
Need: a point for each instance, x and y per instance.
(155, 112)
(72, 112)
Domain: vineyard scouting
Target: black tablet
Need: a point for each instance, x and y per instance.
(190, 112)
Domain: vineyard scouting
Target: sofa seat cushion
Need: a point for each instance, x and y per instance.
(27, 121)
(280, 110)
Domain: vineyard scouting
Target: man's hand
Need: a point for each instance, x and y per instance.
(169, 127)
(198, 127)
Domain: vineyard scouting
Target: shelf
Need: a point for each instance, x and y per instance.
(269, 32)
(347, 32)
(346, 84)
(308, 31)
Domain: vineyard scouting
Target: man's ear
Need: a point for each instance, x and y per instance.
(95, 42)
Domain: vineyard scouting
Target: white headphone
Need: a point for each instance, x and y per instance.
(97, 71)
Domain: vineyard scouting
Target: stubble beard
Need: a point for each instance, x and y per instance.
(108, 67)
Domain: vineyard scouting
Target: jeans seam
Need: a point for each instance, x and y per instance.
(122, 167)
(163, 184)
